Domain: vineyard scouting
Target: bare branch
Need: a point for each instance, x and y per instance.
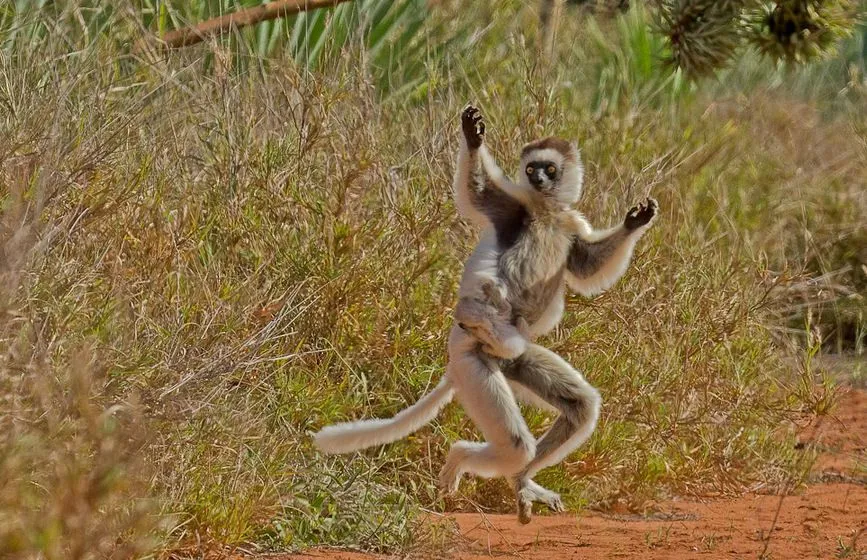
(236, 20)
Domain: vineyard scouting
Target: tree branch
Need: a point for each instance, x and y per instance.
(236, 20)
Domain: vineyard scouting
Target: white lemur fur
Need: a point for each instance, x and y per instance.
(532, 244)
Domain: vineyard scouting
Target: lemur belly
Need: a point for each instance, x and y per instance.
(533, 269)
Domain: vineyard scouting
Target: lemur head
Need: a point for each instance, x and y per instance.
(551, 172)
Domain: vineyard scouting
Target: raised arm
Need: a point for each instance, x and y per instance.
(479, 196)
(497, 178)
(598, 259)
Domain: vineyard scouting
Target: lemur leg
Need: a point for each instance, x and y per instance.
(483, 391)
(552, 378)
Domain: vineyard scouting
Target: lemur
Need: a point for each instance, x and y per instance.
(483, 308)
(536, 256)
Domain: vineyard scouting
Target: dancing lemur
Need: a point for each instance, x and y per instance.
(532, 245)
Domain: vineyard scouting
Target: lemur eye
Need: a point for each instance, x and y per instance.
(551, 170)
(529, 170)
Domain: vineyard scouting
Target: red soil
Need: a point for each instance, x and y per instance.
(823, 521)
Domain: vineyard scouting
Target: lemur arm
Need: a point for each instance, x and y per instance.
(480, 186)
(598, 259)
(465, 186)
(499, 179)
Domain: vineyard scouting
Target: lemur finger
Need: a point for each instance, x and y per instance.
(470, 115)
(482, 128)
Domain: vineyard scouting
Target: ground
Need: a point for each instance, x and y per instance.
(827, 519)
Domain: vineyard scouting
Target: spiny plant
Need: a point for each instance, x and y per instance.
(800, 30)
(703, 36)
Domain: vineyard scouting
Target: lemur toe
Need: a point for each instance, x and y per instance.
(556, 505)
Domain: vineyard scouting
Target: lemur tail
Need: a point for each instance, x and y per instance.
(352, 436)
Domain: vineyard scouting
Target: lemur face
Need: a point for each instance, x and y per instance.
(552, 171)
(542, 174)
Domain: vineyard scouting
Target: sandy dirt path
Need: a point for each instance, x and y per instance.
(826, 520)
(823, 522)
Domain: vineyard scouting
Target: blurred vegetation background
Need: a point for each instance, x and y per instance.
(208, 252)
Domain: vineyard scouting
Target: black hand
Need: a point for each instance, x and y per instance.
(641, 215)
(473, 126)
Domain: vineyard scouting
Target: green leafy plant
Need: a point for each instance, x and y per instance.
(630, 65)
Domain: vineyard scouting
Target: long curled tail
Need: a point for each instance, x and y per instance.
(352, 436)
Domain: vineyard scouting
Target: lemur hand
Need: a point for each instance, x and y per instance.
(494, 296)
(473, 126)
(641, 215)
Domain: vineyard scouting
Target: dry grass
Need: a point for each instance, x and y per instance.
(198, 269)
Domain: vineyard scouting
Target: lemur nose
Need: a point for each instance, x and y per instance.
(536, 178)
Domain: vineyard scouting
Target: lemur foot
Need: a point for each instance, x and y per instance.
(541, 495)
(528, 492)
(473, 126)
(641, 215)
(449, 479)
(451, 473)
(504, 342)
(525, 510)
(449, 482)
(495, 295)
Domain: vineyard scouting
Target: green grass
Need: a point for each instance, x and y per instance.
(242, 258)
